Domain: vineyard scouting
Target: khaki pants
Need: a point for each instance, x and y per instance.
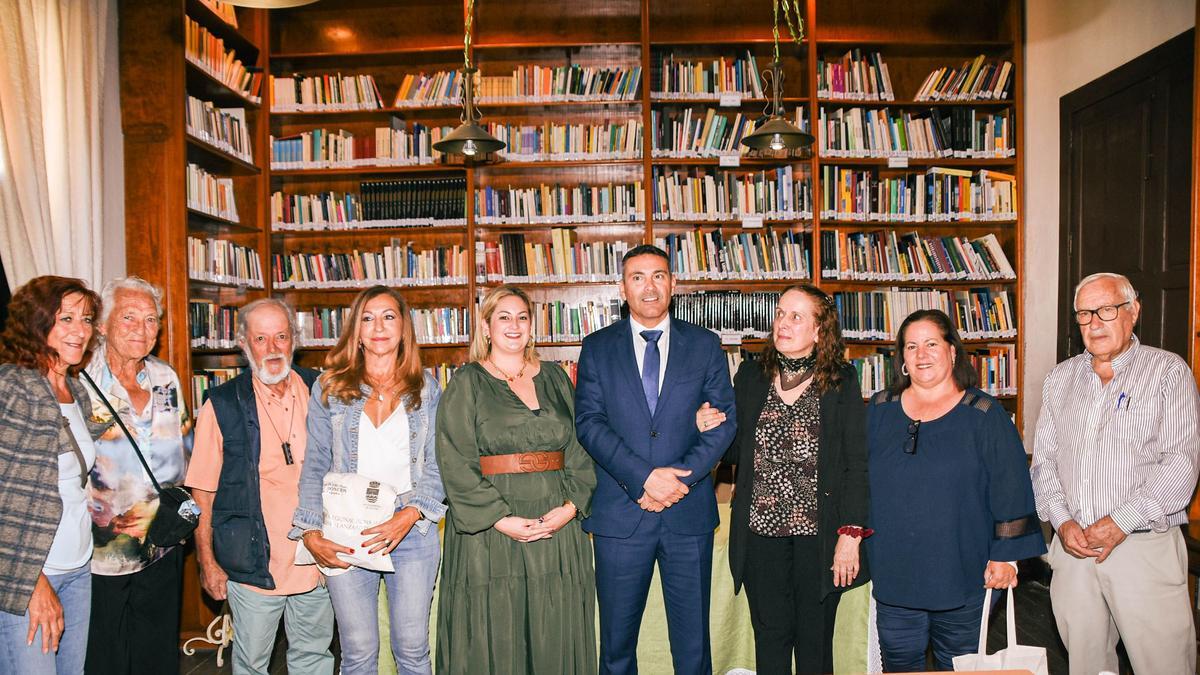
(1138, 594)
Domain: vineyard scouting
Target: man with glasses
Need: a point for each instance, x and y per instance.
(1114, 465)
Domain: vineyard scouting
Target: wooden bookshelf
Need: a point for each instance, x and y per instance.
(369, 37)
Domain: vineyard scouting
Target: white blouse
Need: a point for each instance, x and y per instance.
(384, 453)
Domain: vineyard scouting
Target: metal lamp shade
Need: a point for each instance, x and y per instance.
(777, 134)
(468, 139)
(270, 4)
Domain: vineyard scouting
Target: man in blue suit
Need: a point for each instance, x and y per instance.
(640, 383)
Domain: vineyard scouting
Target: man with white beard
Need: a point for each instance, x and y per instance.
(245, 475)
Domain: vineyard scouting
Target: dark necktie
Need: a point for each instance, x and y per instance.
(650, 368)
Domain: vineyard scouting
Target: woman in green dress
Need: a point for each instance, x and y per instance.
(517, 586)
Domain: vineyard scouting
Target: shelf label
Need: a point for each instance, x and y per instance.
(729, 338)
(749, 222)
(731, 100)
(897, 162)
(730, 160)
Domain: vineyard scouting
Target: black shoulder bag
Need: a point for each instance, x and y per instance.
(177, 514)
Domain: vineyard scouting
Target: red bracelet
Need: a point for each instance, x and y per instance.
(856, 531)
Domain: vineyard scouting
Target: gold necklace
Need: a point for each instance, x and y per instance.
(510, 378)
(379, 389)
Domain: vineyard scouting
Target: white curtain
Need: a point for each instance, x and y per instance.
(57, 83)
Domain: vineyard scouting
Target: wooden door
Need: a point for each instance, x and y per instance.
(1126, 190)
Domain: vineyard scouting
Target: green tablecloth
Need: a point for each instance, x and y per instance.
(729, 621)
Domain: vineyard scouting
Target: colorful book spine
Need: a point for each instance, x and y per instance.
(223, 262)
(552, 141)
(557, 204)
(709, 195)
(956, 132)
(209, 194)
(400, 263)
(398, 145)
(554, 84)
(691, 134)
(875, 372)
(996, 365)
(707, 80)
(937, 195)
(323, 326)
(323, 93)
(745, 256)
(976, 80)
(212, 326)
(207, 52)
(222, 128)
(978, 313)
(559, 321)
(418, 90)
(855, 76)
(886, 255)
(514, 258)
(439, 202)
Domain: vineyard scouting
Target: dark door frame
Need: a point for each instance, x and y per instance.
(1112, 82)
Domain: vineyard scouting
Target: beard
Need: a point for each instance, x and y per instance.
(260, 371)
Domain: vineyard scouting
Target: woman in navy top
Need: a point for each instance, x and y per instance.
(951, 500)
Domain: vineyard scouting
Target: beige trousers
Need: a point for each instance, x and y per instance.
(1138, 594)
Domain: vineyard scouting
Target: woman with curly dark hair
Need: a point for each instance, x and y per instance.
(46, 452)
(800, 502)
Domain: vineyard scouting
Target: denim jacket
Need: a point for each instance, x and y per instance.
(333, 446)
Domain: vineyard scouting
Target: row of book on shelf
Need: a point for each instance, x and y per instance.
(224, 262)
(554, 141)
(886, 255)
(939, 194)
(713, 195)
(399, 144)
(743, 256)
(688, 134)
(856, 75)
(438, 202)
(222, 128)
(878, 132)
(399, 263)
(557, 203)
(208, 53)
(874, 316)
(517, 259)
(210, 194)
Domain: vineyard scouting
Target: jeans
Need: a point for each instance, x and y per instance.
(905, 633)
(307, 618)
(74, 591)
(355, 596)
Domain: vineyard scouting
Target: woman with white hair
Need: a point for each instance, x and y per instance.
(135, 584)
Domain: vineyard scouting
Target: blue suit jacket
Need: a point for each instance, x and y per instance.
(614, 425)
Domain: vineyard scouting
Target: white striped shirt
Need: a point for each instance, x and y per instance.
(1128, 449)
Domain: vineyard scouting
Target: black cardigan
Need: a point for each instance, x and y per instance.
(841, 468)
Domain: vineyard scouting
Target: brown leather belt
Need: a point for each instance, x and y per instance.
(521, 462)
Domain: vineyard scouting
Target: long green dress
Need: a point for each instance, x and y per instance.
(506, 607)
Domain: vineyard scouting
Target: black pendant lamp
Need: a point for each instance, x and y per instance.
(469, 139)
(776, 133)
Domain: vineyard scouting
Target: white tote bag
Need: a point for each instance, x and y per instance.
(352, 503)
(1015, 657)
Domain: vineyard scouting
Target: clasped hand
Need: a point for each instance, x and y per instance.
(526, 530)
(1097, 541)
(663, 488)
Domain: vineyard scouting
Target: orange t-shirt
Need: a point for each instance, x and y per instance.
(279, 482)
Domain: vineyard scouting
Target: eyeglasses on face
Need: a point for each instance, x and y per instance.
(1106, 313)
(910, 445)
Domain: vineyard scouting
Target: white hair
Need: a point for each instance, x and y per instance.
(243, 321)
(133, 284)
(1121, 280)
